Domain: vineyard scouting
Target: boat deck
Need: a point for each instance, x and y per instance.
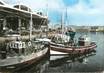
(3, 39)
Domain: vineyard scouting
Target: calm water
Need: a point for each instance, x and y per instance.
(93, 62)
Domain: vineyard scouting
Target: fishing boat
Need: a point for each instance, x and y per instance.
(18, 44)
(66, 43)
(83, 45)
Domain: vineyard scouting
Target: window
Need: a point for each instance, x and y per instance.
(1, 3)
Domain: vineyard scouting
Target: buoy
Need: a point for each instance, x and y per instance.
(29, 43)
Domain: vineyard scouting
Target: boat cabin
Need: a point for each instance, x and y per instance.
(84, 40)
(22, 7)
(18, 20)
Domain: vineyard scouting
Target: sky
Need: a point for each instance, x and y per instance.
(74, 12)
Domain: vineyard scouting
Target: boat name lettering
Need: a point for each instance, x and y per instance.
(19, 44)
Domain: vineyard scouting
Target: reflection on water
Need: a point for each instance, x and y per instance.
(38, 67)
(70, 59)
(60, 64)
(92, 62)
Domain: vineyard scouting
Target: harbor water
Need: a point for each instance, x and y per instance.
(93, 62)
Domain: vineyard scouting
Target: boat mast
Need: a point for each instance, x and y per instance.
(31, 22)
(4, 23)
(47, 19)
(62, 23)
(19, 4)
(66, 23)
(19, 19)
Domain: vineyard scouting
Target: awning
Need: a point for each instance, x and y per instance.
(4, 10)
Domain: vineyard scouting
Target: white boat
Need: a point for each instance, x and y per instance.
(22, 50)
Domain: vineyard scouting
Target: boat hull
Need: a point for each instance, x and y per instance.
(33, 58)
(73, 49)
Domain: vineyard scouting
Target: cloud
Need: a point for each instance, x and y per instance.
(54, 5)
(91, 13)
(81, 6)
(91, 8)
(99, 4)
(82, 11)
